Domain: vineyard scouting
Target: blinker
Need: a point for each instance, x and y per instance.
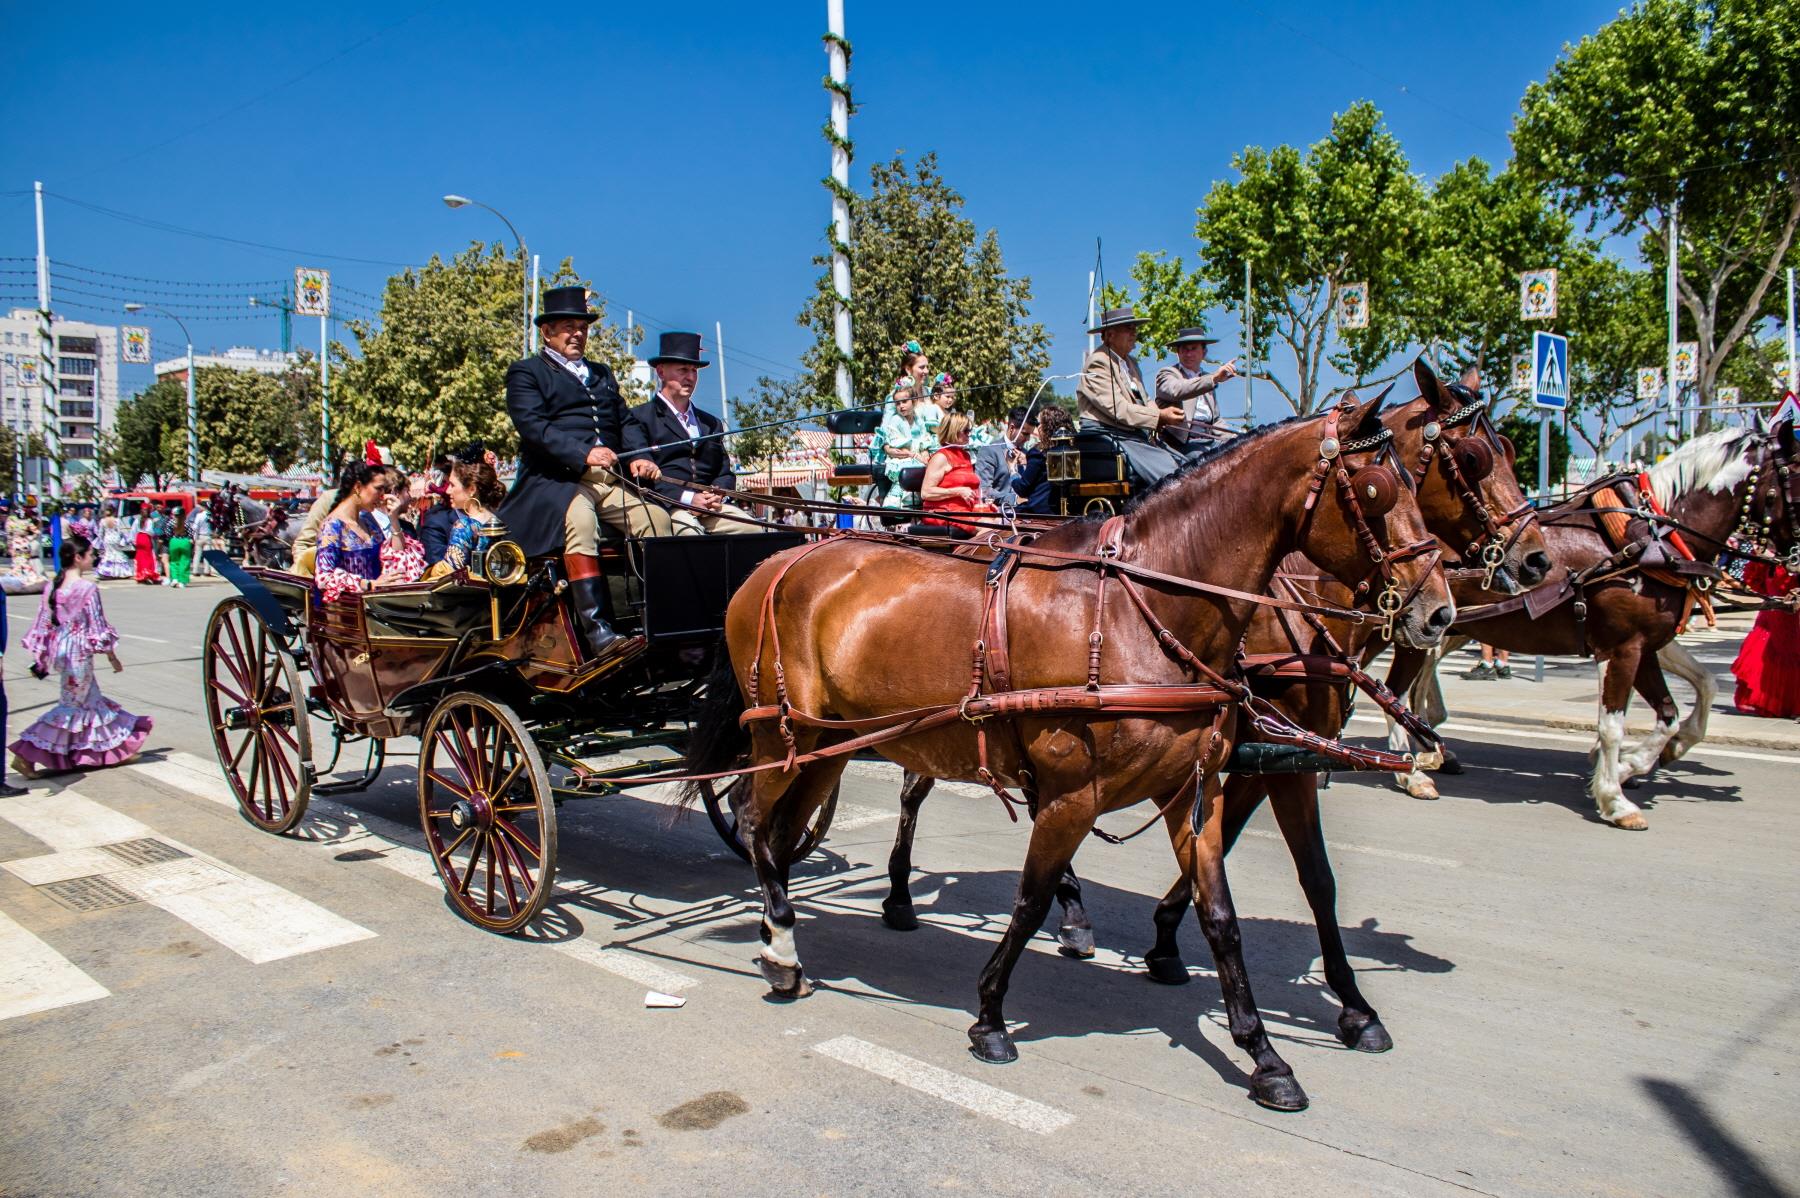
(1475, 458)
(1376, 490)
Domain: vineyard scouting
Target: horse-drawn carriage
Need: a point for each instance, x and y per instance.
(487, 669)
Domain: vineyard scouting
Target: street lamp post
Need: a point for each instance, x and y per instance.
(193, 421)
(455, 201)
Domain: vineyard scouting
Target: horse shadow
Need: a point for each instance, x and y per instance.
(1494, 782)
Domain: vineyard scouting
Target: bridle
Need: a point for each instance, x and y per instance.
(1753, 527)
(1464, 464)
(1367, 495)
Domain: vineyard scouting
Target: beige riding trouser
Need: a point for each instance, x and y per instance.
(604, 499)
(728, 519)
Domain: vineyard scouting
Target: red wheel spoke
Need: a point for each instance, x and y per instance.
(456, 759)
(457, 843)
(507, 862)
(500, 790)
(524, 841)
(287, 770)
(280, 776)
(491, 854)
(255, 773)
(448, 785)
(240, 700)
(239, 755)
(234, 659)
(462, 887)
(286, 735)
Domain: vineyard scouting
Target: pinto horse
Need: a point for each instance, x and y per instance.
(1471, 501)
(1729, 482)
(1192, 555)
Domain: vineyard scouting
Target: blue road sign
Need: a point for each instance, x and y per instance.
(1550, 370)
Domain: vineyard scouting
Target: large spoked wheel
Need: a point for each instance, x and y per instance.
(258, 716)
(721, 808)
(485, 802)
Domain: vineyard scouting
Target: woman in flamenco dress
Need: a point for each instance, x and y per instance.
(85, 730)
(1768, 665)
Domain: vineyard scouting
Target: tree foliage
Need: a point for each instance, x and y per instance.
(35, 447)
(1168, 295)
(1695, 102)
(770, 400)
(921, 272)
(139, 427)
(245, 420)
(432, 372)
(1346, 209)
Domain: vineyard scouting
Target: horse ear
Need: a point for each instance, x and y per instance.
(1366, 420)
(1429, 388)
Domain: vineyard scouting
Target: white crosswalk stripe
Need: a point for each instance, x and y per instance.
(971, 1095)
(35, 977)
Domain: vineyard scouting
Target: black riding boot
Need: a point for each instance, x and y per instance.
(587, 596)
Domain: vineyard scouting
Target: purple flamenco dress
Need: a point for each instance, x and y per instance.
(85, 730)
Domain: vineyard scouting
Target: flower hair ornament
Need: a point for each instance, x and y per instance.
(913, 347)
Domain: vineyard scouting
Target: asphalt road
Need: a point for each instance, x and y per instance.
(1576, 1009)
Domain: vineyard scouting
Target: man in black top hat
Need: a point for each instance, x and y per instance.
(686, 443)
(570, 419)
(1194, 390)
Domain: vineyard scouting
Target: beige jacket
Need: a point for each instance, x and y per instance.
(1195, 393)
(306, 541)
(1111, 391)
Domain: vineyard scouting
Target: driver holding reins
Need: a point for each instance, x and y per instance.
(570, 418)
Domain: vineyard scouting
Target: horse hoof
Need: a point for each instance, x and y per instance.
(1076, 942)
(993, 1047)
(1632, 822)
(1278, 1092)
(786, 982)
(1169, 971)
(900, 918)
(1363, 1033)
(1672, 752)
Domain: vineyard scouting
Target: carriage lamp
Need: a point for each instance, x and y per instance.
(1062, 461)
(503, 562)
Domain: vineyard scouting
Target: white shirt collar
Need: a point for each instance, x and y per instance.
(575, 366)
(689, 420)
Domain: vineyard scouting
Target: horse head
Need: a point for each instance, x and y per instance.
(1469, 490)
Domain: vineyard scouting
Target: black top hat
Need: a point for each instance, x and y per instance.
(1194, 336)
(560, 303)
(679, 347)
(1118, 318)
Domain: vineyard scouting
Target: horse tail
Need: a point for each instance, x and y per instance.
(717, 741)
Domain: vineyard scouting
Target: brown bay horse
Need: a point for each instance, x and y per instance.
(1731, 481)
(1470, 500)
(816, 620)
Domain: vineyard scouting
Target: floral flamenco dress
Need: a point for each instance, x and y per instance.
(348, 559)
(115, 561)
(85, 730)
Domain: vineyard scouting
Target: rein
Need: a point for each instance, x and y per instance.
(1496, 541)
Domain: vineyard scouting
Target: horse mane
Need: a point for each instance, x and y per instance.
(1173, 479)
(1712, 460)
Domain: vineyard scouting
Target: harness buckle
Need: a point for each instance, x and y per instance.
(962, 709)
(1491, 557)
(1388, 603)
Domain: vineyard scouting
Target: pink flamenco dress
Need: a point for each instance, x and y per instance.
(85, 730)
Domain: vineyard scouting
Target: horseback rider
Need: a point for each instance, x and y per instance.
(570, 418)
(686, 443)
(1111, 398)
(1194, 389)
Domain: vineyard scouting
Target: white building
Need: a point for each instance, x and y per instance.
(87, 378)
(238, 357)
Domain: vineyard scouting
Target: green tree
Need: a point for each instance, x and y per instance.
(1345, 210)
(244, 419)
(1689, 102)
(922, 272)
(770, 400)
(432, 372)
(1170, 297)
(10, 483)
(139, 428)
(1613, 316)
(1521, 428)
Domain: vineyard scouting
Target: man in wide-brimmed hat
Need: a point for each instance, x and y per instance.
(686, 443)
(1111, 397)
(570, 418)
(1193, 388)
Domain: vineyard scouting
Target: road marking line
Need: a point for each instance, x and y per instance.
(35, 977)
(258, 920)
(1575, 739)
(1371, 850)
(195, 773)
(971, 1095)
(154, 640)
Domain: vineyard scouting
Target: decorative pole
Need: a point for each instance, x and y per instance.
(1249, 350)
(1674, 272)
(838, 134)
(47, 364)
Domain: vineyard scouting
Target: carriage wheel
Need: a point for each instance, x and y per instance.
(722, 811)
(258, 716)
(1100, 505)
(490, 821)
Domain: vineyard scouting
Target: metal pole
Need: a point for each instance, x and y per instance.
(1090, 323)
(1793, 378)
(1674, 240)
(324, 401)
(630, 342)
(1543, 454)
(531, 333)
(193, 419)
(1249, 349)
(719, 338)
(840, 210)
(47, 363)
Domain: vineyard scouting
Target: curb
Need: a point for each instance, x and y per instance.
(1744, 740)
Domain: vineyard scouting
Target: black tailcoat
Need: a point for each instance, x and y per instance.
(558, 420)
(685, 464)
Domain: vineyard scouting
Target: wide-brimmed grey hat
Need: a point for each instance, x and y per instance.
(1118, 318)
(1193, 336)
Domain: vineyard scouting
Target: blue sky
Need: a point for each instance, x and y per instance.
(674, 151)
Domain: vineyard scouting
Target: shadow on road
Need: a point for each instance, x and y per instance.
(1735, 1164)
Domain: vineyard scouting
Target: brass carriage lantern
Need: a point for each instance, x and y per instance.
(1062, 461)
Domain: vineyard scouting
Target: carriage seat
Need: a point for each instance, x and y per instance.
(1104, 461)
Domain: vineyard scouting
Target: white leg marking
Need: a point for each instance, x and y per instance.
(780, 948)
(1679, 661)
(971, 1095)
(35, 977)
(1645, 754)
(1609, 798)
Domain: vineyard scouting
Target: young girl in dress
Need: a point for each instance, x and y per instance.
(85, 730)
(115, 561)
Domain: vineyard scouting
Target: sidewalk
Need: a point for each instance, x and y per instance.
(1569, 695)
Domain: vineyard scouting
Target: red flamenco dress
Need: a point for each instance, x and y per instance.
(961, 474)
(1768, 666)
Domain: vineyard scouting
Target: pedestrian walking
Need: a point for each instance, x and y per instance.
(7, 789)
(115, 545)
(199, 528)
(159, 533)
(181, 549)
(1768, 665)
(144, 544)
(85, 730)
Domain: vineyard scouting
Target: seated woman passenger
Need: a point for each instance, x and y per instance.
(1031, 482)
(474, 492)
(402, 554)
(902, 441)
(349, 553)
(951, 484)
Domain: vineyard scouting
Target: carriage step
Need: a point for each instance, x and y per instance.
(1258, 758)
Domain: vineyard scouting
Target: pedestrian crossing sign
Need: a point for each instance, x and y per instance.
(1550, 370)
